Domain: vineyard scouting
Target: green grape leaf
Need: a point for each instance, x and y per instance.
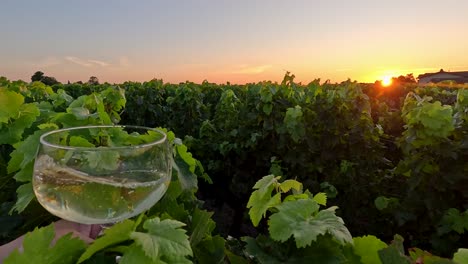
(135, 254)
(394, 253)
(420, 256)
(321, 198)
(164, 238)
(25, 175)
(116, 96)
(204, 175)
(397, 243)
(34, 243)
(37, 248)
(14, 131)
(235, 259)
(61, 97)
(25, 151)
(381, 202)
(293, 197)
(25, 195)
(69, 120)
(302, 220)
(324, 250)
(77, 141)
(367, 247)
(329, 189)
(275, 167)
(151, 136)
(455, 220)
(210, 250)
(176, 259)
(293, 123)
(113, 235)
(261, 200)
(350, 256)
(263, 185)
(266, 95)
(202, 225)
(436, 116)
(169, 203)
(391, 256)
(267, 108)
(103, 160)
(11, 103)
(254, 249)
(46, 109)
(186, 157)
(48, 126)
(461, 256)
(66, 250)
(81, 113)
(103, 115)
(170, 135)
(259, 204)
(290, 184)
(14, 164)
(175, 189)
(185, 165)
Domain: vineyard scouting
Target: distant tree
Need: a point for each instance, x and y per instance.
(47, 80)
(40, 77)
(37, 77)
(93, 80)
(409, 78)
(79, 82)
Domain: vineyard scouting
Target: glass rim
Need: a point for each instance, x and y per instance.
(44, 142)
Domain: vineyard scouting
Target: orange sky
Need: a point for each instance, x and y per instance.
(242, 41)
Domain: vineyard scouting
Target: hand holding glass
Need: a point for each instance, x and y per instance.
(101, 174)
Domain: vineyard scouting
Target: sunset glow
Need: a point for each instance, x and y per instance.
(240, 42)
(387, 80)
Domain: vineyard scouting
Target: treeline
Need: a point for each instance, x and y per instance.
(48, 80)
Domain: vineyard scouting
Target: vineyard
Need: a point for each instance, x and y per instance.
(267, 172)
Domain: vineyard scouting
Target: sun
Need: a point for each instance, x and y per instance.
(387, 80)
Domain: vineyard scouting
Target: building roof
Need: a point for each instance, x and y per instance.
(463, 74)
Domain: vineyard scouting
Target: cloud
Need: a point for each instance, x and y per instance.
(100, 63)
(78, 61)
(86, 63)
(244, 69)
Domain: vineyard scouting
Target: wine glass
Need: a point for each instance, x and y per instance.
(101, 174)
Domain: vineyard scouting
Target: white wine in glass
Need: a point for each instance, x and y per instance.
(101, 174)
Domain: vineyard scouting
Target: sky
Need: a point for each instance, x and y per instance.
(238, 41)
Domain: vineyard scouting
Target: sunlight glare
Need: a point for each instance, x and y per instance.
(386, 80)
